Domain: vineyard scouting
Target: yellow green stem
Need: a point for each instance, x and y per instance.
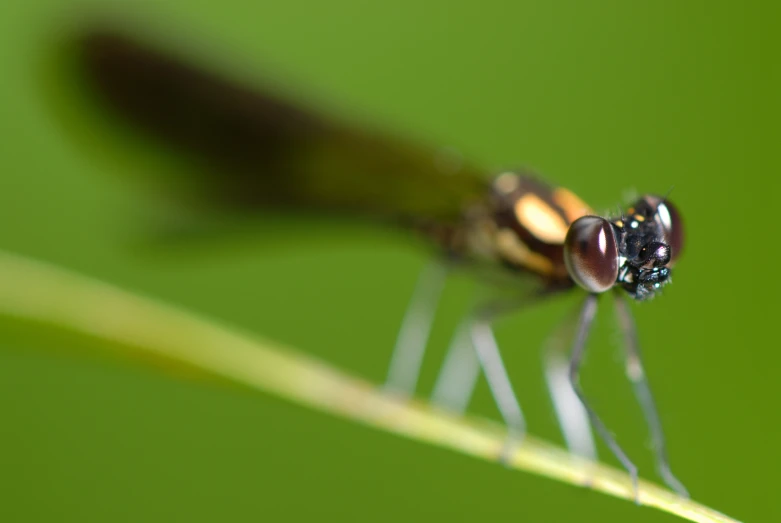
(39, 292)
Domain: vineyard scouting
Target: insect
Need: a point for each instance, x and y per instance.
(252, 149)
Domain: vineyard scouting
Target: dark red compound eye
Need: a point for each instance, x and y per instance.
(673, 228)
(591, 253)
(668, 218)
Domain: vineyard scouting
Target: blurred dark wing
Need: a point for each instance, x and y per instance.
(259, 150)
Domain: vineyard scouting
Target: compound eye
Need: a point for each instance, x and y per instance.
(671, 222)
(591, 253)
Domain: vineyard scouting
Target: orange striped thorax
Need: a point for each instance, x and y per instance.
(525, 225)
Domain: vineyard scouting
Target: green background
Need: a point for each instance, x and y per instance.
(602, 97)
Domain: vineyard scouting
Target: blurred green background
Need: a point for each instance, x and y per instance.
(602, 97)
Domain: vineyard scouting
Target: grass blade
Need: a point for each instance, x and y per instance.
(35, 291)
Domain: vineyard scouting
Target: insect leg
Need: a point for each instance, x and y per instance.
(584, 325)
(572, 416)
(636, 374)
(415, 328)
(495, 372)
(458, 377)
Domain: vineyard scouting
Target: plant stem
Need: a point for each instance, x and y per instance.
(39, 292)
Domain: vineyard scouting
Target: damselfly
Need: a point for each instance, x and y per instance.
(255, 149)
